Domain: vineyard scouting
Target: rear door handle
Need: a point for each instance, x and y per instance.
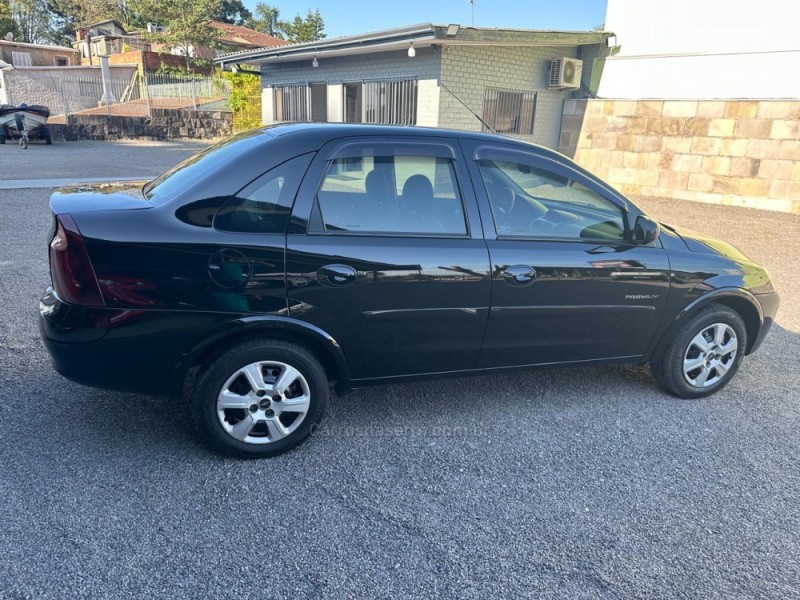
(519, 275)
(336, 275)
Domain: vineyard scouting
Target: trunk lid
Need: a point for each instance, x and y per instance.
(96, 197)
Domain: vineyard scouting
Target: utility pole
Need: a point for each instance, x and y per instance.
(472, 6)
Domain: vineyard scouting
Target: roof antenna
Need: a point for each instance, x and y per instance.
(472, 112)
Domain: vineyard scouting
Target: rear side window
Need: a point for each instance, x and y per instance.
(391, 195)
(264, 205)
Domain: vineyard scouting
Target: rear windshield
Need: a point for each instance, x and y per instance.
(199, 166)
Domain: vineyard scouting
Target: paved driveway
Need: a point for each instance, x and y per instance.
(86, 159)
(575, 483)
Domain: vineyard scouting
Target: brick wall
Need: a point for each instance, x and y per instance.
(744, 153)
(149, 61)
(468, 70)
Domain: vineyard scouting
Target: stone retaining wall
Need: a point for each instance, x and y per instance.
(744, 153)
(163, 124)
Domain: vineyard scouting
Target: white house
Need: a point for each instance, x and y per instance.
(703, 49)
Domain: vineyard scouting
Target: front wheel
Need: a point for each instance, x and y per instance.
(704, 353)
(261, 398)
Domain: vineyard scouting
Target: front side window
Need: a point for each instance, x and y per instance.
(528, 201)
(391, 195)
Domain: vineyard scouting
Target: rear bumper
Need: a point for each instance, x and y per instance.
(127, 350)
(769, 308)
(82, 349)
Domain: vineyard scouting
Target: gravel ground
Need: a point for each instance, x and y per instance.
(582, 483)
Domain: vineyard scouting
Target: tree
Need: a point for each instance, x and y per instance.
(68, 15)
(187, 24)
(32, 21)
(233, 12)
(305, 30)
(7, 23)
(266, 20)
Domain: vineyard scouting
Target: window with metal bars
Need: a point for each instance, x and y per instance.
(390, 102)
(292, 103)
(509, 111)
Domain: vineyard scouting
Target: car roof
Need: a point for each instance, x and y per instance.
(330, 131)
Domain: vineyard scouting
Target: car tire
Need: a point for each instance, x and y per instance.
(704, 353)
(2, 139)
(261, 398)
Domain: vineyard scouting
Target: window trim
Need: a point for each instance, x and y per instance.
(316, 223)
(546, 163)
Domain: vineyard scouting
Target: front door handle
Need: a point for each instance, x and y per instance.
(519, 275)
(336, 275)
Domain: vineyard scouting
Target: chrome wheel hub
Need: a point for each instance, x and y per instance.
(709, 355)
(263, 402)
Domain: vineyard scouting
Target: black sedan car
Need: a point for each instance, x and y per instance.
(290, 258)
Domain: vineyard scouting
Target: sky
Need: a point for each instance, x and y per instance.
(347, 17)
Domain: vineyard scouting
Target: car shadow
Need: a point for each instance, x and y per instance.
(129, 426)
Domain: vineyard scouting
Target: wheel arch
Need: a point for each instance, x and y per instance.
(739, 300)
(317, 341)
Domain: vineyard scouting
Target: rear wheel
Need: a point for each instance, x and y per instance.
(704, 354)
(47, 136)
(2, 139)
(260, 398)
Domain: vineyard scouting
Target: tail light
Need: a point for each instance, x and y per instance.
(70, 268)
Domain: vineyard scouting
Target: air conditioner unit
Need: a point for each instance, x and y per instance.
(565, 73)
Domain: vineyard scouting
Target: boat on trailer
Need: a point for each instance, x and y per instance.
(16, 120)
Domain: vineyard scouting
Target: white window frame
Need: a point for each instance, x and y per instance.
(21, 59)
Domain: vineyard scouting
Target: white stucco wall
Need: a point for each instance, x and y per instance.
(703, 49)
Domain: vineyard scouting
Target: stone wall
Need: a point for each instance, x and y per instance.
(163, 124)
(744, 153)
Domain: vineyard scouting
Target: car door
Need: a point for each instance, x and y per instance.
(567, 282)
(385, 253)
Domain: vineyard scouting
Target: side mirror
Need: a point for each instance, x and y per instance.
(645, 231)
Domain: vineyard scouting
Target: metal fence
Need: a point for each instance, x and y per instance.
(85, 92)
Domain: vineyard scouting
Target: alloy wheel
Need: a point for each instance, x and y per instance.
(710, 355)
(263, 402)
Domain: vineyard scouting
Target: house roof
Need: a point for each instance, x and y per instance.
(425, 34)
(39, 46)
(243, 36)
(99, 25)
